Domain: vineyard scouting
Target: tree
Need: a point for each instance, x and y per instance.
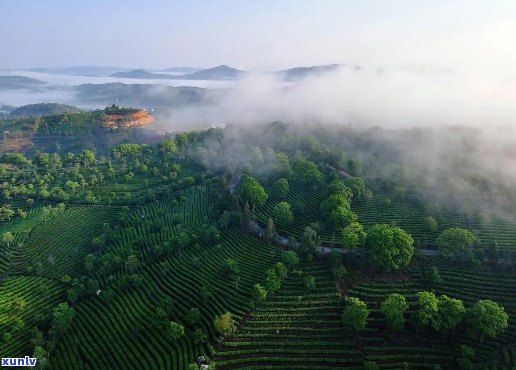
(259, 292)
(487, 318)
(389, 248)
(339, 187)
(341, 216)
(17, 306)
(281, 270)
(88, 157)
(426, 312)
(89, 262)
(455, 240)
(62, 317)
(310, 239)
(167, 147)
(225, 219)
(159, 318)
(335, 200)
(283, 214)
(208, 234)
(432, 276)
(430, 224)
(493, 252)
(230, 268)
(175, 330)
(17, 324)
(98, 242)
(6, 213)
(8, 238)
(128, 176)
(72, 295)
(466, 357)
(132, 263)
(200, 336)
(307, 172)
(253, 192)
(37, 338)
(357, 186)
(72, 186)
(245, 218)
(42, 160)
(394, 307)
(355, 314)
(224, 324)
(280, 189)
(272, 281)
(450, 312)
(270, 231)
(66, 279)
(353, 235)
(309, 282)
(283, 167)
(42, 357)
(340, 272)
(290, 258)
(194, 316)
(256, 157)
(336, 209)
(181, 140)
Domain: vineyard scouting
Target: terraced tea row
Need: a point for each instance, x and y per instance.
(57, 246)
(295, 328)
(123, 325)
(33, 299)
(468, 287)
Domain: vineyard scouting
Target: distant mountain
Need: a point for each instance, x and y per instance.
(142, 74)
(43, 109)
(18, 82)
(141, 95)
(303, 72)
(181, 70)
(219, 73)
(82, 70)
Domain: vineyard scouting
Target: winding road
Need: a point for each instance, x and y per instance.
(258, 229)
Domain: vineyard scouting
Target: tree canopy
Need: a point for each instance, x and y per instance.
(280, 189)
(389, 248)
(253, 192)
(355, 314)
(62, 317)
(455, 240)
(290, 258)
(450, 312)
(394, 307)
(487, 318)
(225, 324)
(353, 235)
(175, 330)
(283, 214)
(427, 308)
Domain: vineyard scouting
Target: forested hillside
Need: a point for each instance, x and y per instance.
(255, 247)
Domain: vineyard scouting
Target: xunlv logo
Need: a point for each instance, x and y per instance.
(19, 361)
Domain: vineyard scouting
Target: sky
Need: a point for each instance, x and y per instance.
(474, 36)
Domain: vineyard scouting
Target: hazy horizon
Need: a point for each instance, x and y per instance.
(466, 36)
(423, 63)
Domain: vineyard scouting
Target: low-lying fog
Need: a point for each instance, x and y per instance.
(359, 97)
